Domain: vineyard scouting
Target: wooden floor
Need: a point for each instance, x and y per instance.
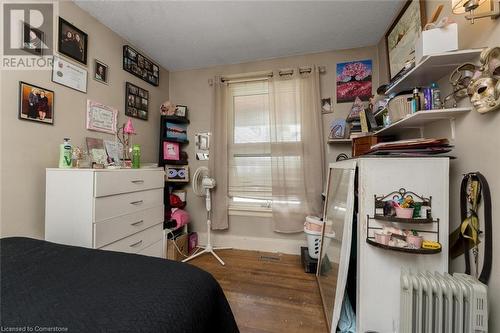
(268, 292)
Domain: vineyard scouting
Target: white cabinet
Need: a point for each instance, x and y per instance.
(119, 210)
(378, 270)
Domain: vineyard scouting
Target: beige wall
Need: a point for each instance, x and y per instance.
(27, 148)
(191, 88)
(477, 148)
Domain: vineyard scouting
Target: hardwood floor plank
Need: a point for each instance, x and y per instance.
(268, 292)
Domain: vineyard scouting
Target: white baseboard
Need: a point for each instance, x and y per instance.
(288, 246)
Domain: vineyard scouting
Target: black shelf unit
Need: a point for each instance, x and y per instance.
(184, 142)
(379, 202)
(176, 119)
(170, 186)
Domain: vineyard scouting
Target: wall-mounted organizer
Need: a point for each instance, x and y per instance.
(173, 139)
(420, 221)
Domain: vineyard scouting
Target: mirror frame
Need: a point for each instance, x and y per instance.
(346, 240)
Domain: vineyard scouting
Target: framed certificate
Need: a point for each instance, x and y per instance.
(69, 75)
(101, 118)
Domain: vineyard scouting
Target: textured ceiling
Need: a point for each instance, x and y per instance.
(193, 34)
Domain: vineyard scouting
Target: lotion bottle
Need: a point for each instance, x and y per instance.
(65, 154)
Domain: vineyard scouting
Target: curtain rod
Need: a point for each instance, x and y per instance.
(265, 75)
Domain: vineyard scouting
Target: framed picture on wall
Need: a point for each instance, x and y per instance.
(402, 35)
(101, 118)
(140, 66)
(36, 103)
(136, 101)
(72, 42)
(354, 80)
(100, 72)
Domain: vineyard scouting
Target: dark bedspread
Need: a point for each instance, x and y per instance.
(71, 289)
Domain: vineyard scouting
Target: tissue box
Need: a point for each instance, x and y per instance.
(436, 41)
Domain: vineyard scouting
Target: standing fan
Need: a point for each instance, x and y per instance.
(202, 184)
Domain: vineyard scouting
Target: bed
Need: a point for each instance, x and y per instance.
(72, 289)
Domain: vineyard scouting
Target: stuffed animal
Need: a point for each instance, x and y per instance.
(167, 109)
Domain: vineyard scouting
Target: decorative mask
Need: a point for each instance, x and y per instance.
(484, 88)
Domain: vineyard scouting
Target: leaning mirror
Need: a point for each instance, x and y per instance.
(336, 239)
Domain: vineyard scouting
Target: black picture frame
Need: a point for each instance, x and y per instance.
(68, 45)
(24, 103)
(181, 111)
(141, 66)
(394, 25)
(136, 101)
(28, 42)
(101, 77)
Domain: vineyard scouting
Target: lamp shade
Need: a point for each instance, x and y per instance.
(129, 128)
(458, 6)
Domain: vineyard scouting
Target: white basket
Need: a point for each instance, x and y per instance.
(313, 243)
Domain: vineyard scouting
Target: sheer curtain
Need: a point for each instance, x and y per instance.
(218, 156)
(297, 156)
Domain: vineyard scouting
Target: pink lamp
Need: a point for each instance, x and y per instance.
(128, 128)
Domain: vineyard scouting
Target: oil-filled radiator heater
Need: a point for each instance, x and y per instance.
(442, 303)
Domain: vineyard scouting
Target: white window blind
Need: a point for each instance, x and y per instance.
(249, 145)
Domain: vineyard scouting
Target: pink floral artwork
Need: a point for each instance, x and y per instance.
(354, 79)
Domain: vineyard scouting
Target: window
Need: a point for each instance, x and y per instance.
(249, 137)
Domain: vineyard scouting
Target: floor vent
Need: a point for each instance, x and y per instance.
(270, 258)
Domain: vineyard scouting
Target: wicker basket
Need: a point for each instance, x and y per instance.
(400, 106)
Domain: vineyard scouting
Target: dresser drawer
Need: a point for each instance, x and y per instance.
(111, 230)
(124, 181)
(137, 242)
(155, 250)
(122, 204)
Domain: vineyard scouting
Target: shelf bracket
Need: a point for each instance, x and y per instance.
(421, 130)
(452, 128)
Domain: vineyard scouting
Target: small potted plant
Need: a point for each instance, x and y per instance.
(414, 240)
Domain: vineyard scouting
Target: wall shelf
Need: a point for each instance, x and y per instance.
(419, 119)
(333, 141)
(432, 68)
(402, 249)
(402, 220)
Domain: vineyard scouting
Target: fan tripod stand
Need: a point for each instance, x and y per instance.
(208, 248)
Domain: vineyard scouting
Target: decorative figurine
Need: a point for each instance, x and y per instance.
(167, 109)
(127, 130)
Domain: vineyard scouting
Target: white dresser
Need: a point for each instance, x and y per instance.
(118, 210)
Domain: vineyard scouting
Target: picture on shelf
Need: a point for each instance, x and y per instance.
(354, 79)
(36, 103)
(181, 111)
(176, 131)
(136, 101)
(338, 129)
(171, 151)
(72, 42)
(140, 66)
(177, 173)
(100, 72)
(402, 36)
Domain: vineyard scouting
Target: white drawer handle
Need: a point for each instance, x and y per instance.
(138, 202)
(137, 223)
(138, 181)
(136, 243)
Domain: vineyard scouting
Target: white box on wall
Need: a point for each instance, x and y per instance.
(436, 41)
